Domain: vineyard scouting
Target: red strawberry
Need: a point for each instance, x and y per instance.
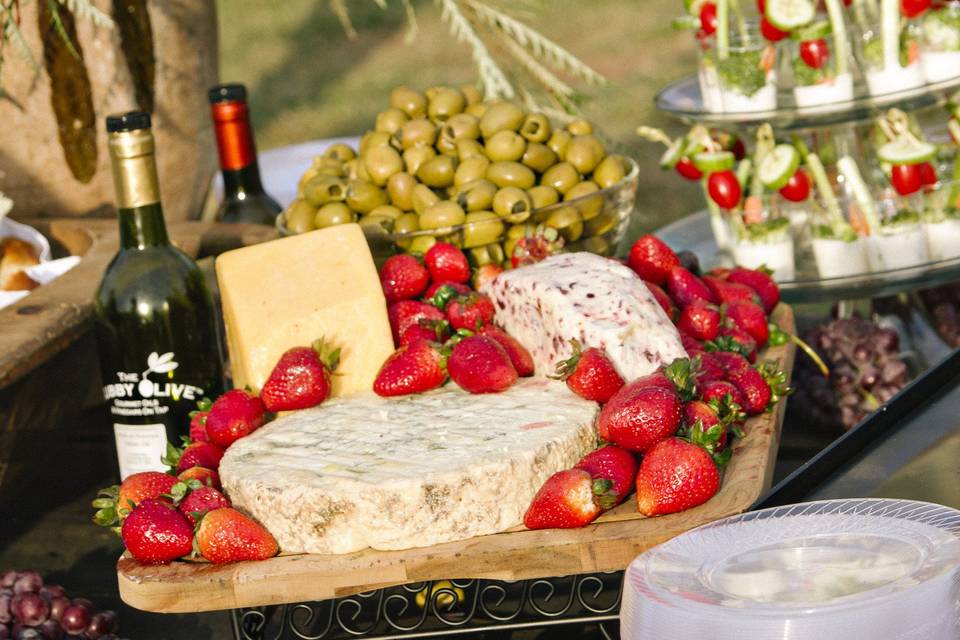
(590, 374)
(567, 500)
(485, 274)
(636, 418)
(234, 415)
(652, 259)
(198, 454)
(301, 378)
(684, 288)
(754, 389)
(403, 277)
(479, 364)
(750, 317)
(663, 299)
(198, 421)
(733, 340)
(727, 292)
(415, 368)
(200, 501)
(456, 287)
(690, 344)
(470, 312)
(226, 535)
(701, 320)
(721, 391)
(612, 463)
(206, 477)
(760, 282)
(157, 533)
(115, 503)
(730, 361)
(432, 330)
(539, 245)
(520, 358)
(446, 262)
(675, 475)
(710, 368)
(703, 425)
(405, 313)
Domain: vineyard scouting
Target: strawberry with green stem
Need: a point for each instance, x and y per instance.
(301, 378)
(478, 364)
(115, 503)
(615, 464)
(569, 499)
(589, 373)
(415, 368)
(225, 535)
(675, 475)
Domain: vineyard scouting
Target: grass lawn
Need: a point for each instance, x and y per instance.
(307, 80)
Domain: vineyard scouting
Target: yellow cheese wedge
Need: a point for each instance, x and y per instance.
(289, 292)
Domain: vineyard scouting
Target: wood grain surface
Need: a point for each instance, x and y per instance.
(609, 544)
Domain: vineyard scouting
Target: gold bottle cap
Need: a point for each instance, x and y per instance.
(131, 146)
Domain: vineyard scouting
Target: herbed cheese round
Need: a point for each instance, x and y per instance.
(365, 471)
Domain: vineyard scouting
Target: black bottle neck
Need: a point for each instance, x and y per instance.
(239, 183)
(142, 227)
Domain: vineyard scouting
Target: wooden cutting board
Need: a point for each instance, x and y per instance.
(609, 544)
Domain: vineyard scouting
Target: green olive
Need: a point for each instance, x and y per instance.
(500, 116)
(477, 195)
(386, 211)
(558, 142)
(373, 139)
(390, 120)
(584, 153)
(299, 216)
(330, 215)
(595, 244)
(437, 172)
(543, 195)
(407, 223)
(308, 175)
(442, 214)
(601, 224)
(410, 101)
(505, 146)
(414, 157)
(321, 189)
(446, 146)
(376, 222)
(488, 254)
(536, 128)
(512, 204)
(471, 93)
(418, 131)
(481, 228)
(352, 168)
(444, 103)
(381, 163)
(567, 221)
(511, 174)
(589, 207)
(580, 127)
(421, 244)
(561, 176)
(469, 149)
(423, 197)
(610, 171)
(400, 189)
(470, 169)
(339, 152)
(514, 233)
(364, 197)
(538, 157)
(462, 125)
(477, 109)
(327, 166)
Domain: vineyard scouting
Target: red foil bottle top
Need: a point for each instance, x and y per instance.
(231, 122)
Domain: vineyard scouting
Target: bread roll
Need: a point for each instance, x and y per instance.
(17, 256)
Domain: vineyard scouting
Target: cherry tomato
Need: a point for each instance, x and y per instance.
(761, 7)
(770, 32)
(906, 179)
(686, 168)
(797, 188)
(815, 53)
(708, 18)
(724, 188)
(928, 175)
(913, 8)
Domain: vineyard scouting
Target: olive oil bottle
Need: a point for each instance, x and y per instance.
(244, 199)
(154, 317)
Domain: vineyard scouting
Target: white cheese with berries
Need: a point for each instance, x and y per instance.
(595, 300)
(396, 473)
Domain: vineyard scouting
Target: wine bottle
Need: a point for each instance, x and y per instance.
(154, 317)
(244, 199)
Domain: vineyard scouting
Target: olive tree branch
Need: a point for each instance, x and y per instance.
(495, 83)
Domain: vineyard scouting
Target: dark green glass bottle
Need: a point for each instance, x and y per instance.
(155, 321)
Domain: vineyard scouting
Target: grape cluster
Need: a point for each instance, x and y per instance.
(866, 371)
(32, 610)
(943, 304)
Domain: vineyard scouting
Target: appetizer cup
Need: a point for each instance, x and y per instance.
(900, 241)
(941, 220)
(820, 75)
(743, 78)
(886, 73)
(940, 43)
(838, 250)
(767, 243)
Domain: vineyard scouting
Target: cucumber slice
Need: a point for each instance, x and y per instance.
(906, 150)
(788, 15)
(693, 6)
(778, 166)
(674, 152)
(817, 30)
(683, 23)
(713, 161)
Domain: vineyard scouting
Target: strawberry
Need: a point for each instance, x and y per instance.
(226, 535)
(690, 344)
(636, 418)
(457, 288)
(115, 503)
(201, 500)
(485, 274)
(405, 313)
(403, 277)
(536, 246)
(727, 292)
(663, 299)
(733, 340)
(567, 500)
(701, 320)
(479, 364)
(675, 475)
(198, 421)
(589, 374)
(470, 312)
(709, 369)
(730, 361)
(682, 373)
(206, 477)
(684, 288)
(652, 259)
(749, 317)
(423, 329)
(195, 454)
(414, 368)
(761, 282)
(446, 262)
(520, 358)
(703, 425)
(612, 463)
(157, 533)
(754, 389)
(235, 414)
(721, 392)
(301, 378)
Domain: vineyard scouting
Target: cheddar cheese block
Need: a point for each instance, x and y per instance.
(292, 291)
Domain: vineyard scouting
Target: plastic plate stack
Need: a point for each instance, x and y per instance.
(830, 570)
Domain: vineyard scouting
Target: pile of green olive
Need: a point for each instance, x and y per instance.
(444, 165)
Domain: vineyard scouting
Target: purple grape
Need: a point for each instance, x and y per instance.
(51, 630)
(886, 340)
(75, 618)
(4, 632)
(83, 602)
(8, 578)
(27, 633)
(104, 623)
(28, 582)
(6, 614)
(30, 609)
(57, 607)
(50, 591)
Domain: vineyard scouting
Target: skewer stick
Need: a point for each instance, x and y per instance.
(841, 45)
(890, 32)
(848, 167)
(723, 29)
